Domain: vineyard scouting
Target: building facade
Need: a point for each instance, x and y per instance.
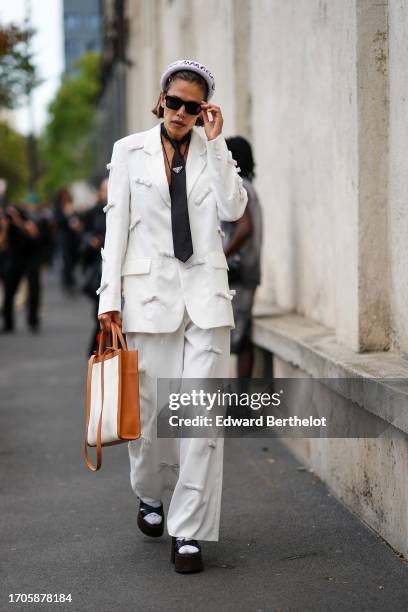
(82, 29)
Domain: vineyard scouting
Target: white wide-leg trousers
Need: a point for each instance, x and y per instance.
(190, 467)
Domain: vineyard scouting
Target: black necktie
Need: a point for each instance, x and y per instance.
(182, 242)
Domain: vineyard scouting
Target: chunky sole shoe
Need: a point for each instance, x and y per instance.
(186, 563)
(154, 531)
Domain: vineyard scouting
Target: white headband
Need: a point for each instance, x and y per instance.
(194, 67)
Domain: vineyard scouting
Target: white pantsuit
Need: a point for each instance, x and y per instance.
(177, 315)
(191, 466)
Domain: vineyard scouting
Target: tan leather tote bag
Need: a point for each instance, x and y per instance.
(112, 396)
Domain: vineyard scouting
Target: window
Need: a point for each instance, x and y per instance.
(72, 21)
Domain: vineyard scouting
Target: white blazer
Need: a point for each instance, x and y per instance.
(140, 275)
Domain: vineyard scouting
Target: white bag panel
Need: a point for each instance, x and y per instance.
(110, 408)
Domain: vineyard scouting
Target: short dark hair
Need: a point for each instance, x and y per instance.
(185, 75)
(241, 151)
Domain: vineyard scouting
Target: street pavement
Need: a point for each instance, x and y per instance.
(285, 544)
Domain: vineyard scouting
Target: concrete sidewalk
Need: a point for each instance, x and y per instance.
(286, 544)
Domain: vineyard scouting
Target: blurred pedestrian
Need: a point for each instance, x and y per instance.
(3, 240)
(242, 246)
(94, 222)
(26, 240)
(69, 237)
(46, 219)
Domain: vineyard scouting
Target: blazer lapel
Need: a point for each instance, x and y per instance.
(196, 162)
(155, 163)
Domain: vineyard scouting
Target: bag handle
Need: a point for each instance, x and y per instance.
(107, 339)
(95, 468)
(116, 333)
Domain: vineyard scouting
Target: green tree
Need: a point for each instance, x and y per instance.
(17, 71)
(67, 148)
(17, 79)
(13, 161)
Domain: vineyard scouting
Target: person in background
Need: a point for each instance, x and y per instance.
(45, 216)
(26, 244)
(92, 240)
(242, 245)
(3, 240)
(69, 235)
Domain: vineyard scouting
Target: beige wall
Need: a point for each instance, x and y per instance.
(398, 170)
(320, 89)
(307, 172)
(323, 168)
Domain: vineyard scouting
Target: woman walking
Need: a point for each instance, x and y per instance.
(164, 279)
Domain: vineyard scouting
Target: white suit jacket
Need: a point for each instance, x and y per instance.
(140, 275)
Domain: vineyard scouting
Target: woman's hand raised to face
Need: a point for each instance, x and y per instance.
(106, 319)
(212, 128)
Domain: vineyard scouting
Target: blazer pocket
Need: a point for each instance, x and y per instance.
(218, 260)
(141, 265)
(203, 195)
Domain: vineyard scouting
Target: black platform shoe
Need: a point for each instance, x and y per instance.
(185, 563)
(153, 531)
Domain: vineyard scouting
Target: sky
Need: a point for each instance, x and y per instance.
(48, 48)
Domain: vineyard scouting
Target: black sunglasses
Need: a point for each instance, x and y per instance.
(174, 102)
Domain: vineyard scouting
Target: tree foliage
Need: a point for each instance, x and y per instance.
(67, 149)
(13, 161)
(17, 71)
